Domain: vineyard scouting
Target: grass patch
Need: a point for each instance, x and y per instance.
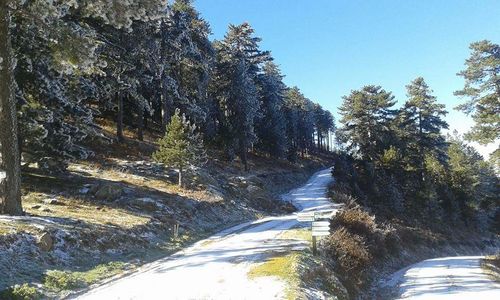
(285, 268)
(81, 209)
(64, 280)
(303, 234)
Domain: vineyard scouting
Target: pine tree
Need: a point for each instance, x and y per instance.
(271, 124)
(482, 86)
(10, 179)
(366, 118)
(300, 116)
(64, 23)
(421, 121)
(239, 60)
(181, 146)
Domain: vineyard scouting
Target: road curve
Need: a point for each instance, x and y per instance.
(446, 278)
(216, 268)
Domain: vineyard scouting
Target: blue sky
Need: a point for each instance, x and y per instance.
(330, 47)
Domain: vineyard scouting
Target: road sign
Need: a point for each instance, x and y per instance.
(321, 233)
(320, 228)
(321, 224)
(305, 217)
(322, 215)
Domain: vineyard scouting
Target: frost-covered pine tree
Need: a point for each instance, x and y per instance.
(10, 173)
(181, 146)
(239, 60)
(65, 39)
(271, 124)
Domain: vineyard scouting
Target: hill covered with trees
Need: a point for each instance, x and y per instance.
(67, 65)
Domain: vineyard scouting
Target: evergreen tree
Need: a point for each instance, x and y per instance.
(181, 146)
(10, 178)
(324, 123)
(188, 58)
(482, 86)
(239, 61)
(63, 22)
(366, 118)
(271, 124)
(300, 117)
(421, 120)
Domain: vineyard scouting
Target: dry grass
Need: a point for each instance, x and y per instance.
(491, 266)
(81, 209)
(302, 234)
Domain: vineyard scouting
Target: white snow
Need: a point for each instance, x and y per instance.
(216, 268)
(446, 278)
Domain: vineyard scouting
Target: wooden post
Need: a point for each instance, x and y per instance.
(315, 248)
(176, 230)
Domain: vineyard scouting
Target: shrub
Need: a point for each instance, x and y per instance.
(356, 221)
(20, 292)
(352, 257)
(60, 280)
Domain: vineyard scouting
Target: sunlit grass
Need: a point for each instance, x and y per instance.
(303, 234)
(65, 280)
(285, 268)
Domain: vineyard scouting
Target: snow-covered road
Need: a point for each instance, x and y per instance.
(446, 278)
(216, 268)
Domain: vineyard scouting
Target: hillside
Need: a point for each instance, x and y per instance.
(118, 210)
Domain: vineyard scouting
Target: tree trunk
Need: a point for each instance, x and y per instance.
(328, 141)
(10, 162)
(140, 124)
(119, 118)
(165, 111)
(180, 176)
(243, 155)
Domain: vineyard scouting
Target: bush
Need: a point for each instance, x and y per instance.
(356, 221)
(352, 257)
(60, 280)
(20, 292)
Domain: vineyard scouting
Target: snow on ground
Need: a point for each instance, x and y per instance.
(216, 268)
(445, 278)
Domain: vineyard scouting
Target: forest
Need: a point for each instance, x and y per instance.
(148, 71)
(68, 64)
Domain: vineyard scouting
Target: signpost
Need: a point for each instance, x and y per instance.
(319, 228)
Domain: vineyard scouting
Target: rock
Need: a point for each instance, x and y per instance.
(84, 190)
(52, 201)
(108, 192)
(147, 204)
(36, 206)
(45, 242)
(44, 209)
(215, 193)
(253, 189)
(205, 178)
(52, 165)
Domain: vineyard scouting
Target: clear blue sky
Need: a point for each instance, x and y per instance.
(330, 47)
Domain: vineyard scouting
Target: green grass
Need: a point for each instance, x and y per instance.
(285, 268)
(56, 280)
